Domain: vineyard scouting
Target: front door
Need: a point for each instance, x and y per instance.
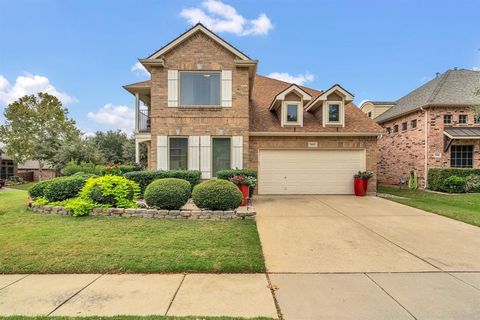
(221, 155)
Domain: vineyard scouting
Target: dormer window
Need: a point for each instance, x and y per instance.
(333, 113)
(332, 103)
(292, 113)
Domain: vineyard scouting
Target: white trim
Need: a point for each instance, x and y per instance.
(236, 160)
(205, 157)
(226, 88)
(284, 113)
(173, 88)
(190, 32)
(162, 153)
(193, 153)
(347, 96)
(302, 94)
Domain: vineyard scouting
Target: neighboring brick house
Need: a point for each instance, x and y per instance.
(435, 126)
(205, 108)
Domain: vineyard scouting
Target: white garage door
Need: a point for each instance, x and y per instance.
(308, 171)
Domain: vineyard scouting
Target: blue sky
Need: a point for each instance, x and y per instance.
(84, 51)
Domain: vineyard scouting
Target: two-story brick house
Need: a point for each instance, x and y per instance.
(435, 126)
(206, 109)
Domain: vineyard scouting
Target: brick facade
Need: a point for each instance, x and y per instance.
(199, 52)
(401, 152)
(249, 113)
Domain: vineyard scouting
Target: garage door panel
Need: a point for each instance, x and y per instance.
(309, 171)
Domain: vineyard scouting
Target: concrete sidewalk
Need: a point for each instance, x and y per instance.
(428, 295)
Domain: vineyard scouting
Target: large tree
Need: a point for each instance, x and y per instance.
(114, 146)
(79, 151)
(36, 126)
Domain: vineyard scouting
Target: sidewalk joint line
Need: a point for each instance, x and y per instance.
(461, 280)
(8, 285)
(275, 301)
(380, 235)
(175, 294)
(388, 294)
(76, 293)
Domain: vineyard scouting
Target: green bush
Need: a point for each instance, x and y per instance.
(472, 183)
(72, 168)
(229, 173)
(168, 193)
(437, 176)
(217, 194)
(78, 206)
(113, 191)
(144, 178)
(38, 190)
(454, 184)
(63, 188)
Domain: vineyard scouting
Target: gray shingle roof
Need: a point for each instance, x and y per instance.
(453, 87)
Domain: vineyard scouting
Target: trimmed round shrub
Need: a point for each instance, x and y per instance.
(472, 183)
(454, 184)
(63, 188)
(217, 194)
(169, 193)
(114, 191)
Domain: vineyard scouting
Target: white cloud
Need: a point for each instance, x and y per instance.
(30, 84)
(476, 68)
(221, 17)
(139, 69)
(299, 79)
(115, 116)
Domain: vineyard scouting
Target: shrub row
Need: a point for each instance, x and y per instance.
(437, 177)
(144, 178)
(229, 173)
(73, 167)
(59, 189)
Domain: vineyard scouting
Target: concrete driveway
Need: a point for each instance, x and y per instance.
(344, 257)
(352, 234)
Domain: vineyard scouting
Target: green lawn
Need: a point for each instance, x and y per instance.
(126, 318)
(462, 207)
(24, 186)
(38, 243)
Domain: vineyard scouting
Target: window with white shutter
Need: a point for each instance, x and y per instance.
(226, 88)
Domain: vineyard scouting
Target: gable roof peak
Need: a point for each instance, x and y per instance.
(199, 27)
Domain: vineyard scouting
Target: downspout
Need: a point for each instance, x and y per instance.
(425, 173)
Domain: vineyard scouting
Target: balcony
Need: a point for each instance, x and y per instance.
(143, 121)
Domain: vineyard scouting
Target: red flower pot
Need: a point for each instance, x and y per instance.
(245, 189)
(360, 186)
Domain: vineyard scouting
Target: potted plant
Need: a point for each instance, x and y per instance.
(361, 182)
(243, 183)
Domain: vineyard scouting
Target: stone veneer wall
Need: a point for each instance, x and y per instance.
(214, 215)
(368, 143)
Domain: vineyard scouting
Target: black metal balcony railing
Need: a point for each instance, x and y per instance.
(143, 121)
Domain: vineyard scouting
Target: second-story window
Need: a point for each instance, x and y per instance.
(476, 119)
(333, 112)
(395, 128)
(447, 119)
(370, 114)
(292, 113)
(414, 123)
(404, 126)
(199, 88)
(462, 119)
